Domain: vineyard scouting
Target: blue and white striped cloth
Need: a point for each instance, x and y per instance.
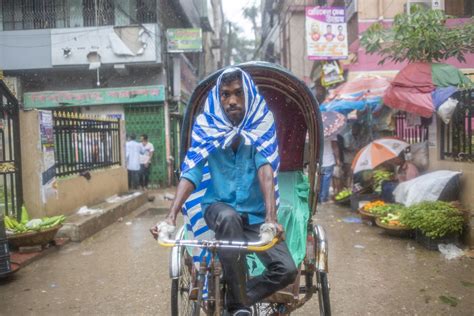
(212, 129)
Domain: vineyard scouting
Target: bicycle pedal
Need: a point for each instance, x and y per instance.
(193, 294)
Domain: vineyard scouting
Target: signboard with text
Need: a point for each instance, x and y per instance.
(184, 40)
(326, 33)
(90, 97)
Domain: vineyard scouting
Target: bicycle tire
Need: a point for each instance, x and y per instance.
(180, 303)
(323, 293)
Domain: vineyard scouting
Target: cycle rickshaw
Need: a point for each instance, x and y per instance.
(300, 138)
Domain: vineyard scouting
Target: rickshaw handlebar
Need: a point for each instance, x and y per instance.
(268, 239)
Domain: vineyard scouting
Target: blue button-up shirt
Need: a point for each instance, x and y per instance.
(234, 180)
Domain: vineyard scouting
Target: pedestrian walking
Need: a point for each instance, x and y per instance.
(330, 160)
(145, 161)
(133, 149)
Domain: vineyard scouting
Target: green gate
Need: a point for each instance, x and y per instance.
(149, 119)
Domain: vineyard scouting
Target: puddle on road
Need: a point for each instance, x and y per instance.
(153, 212)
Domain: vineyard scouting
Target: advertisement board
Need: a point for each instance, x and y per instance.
(184, 40)
(326, 33)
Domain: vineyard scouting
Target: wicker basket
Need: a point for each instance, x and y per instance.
(367, 216)
(345, 201)
(397, 231)
(33, 238)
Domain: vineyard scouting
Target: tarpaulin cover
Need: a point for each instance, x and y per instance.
(427, 187)
(293, 214)
(420, 88)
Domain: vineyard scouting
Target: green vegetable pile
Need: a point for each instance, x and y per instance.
(379, 176)
(383, 210)
(434, 219)
(343, 194)
(26, 225)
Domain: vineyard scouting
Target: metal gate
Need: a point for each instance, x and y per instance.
(11, 190)
(150, 120)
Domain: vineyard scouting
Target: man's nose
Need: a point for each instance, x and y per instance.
(233, 100)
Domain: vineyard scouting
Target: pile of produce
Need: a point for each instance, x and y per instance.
(382, 209)
(26, 225)
(379, 177)
(343, 194)
(372, 205)
(433, 219)
(392, 219)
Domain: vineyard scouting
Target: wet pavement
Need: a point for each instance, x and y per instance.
(122, 271)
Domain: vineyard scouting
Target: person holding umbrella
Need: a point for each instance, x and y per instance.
(333, 123)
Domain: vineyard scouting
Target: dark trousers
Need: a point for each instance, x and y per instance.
(133, 179)
(144, 175)
(280, 268)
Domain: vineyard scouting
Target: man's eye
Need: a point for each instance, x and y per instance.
(238, 93)
(225, 94)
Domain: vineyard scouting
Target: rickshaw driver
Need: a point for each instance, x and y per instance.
(239, 200)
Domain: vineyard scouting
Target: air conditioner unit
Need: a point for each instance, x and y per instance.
(428, 4)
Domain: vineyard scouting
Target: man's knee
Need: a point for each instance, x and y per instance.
(290, 274)
(285, 273)
(222, 217)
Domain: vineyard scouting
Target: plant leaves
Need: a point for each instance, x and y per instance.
(449, 300)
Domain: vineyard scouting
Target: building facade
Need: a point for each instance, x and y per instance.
(104, 57)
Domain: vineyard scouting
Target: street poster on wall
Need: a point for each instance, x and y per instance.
(48, 168)
(326, 33)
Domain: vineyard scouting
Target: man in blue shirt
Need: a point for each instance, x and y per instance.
(240, 197)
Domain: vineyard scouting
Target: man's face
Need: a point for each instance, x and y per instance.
(233, 102)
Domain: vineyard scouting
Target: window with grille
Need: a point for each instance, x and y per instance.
(457, 138)
(34, 14)
(146, 11)
(98, 12)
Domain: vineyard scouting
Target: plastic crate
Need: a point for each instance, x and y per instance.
(432, 244)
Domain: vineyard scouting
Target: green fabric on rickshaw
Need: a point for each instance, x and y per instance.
(293, 215)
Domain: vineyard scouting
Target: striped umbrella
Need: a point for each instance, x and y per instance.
(378, 152)
(357, 94)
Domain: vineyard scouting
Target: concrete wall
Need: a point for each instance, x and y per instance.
(373, 9)
(298, 63)
(72, 192)
(29, 49)
(466, 195)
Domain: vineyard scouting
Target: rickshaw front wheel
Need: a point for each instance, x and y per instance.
(181, 304)
(323, 293)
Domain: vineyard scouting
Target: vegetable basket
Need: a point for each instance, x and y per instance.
(397, 231)
(367, 216)
(345, 201)
(432, 244)
(38, 238)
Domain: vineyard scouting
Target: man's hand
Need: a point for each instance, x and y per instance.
(274, 222)
(164, 226)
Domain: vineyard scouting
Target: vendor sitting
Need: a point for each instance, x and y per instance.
(407, 169)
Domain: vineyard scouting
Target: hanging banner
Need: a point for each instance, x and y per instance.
(326, 33)
(332, 73)
(48, 168)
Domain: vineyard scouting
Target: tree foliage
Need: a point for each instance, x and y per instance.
(421, 36)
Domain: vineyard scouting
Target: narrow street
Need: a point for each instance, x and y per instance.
(122, 271)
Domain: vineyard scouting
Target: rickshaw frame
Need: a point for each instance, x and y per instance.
(273, 78)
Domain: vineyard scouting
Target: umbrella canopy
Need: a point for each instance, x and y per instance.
(333, 123)
(357, 94)
(378, 152)
(420, 88)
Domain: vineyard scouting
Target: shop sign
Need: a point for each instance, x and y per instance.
(90, 97)
(184, 40)
(326, 33)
